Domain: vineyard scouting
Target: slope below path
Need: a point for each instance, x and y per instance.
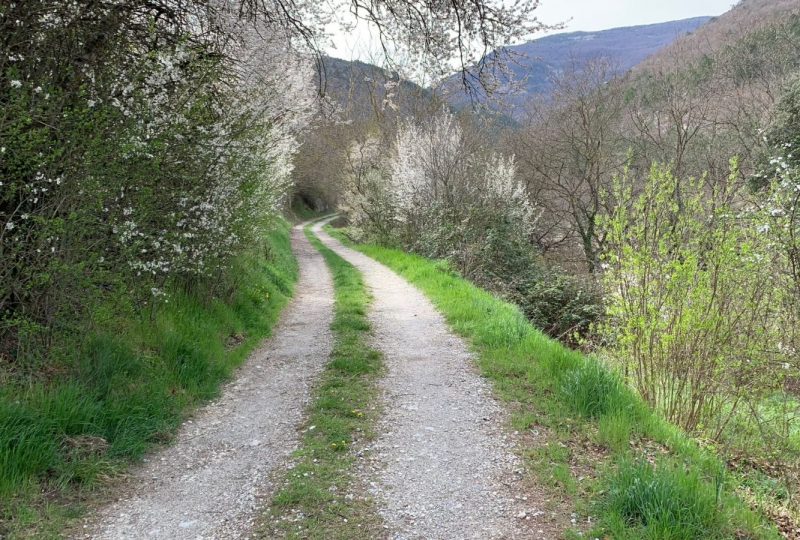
(210, 482)
(442, 466)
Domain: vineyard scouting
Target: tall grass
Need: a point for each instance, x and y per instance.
(126, 386)
(664, 502)
(594, 391)
(575, 397)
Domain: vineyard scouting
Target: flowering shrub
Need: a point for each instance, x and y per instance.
(441, 193)
(138, 145)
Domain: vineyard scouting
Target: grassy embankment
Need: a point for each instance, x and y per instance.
(106, 397)
(318, 498)
(636, 475)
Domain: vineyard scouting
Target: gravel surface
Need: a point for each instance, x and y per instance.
(209, 483)
(443, 466)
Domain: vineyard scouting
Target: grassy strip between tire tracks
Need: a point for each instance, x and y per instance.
(631, 474)
(318, 498)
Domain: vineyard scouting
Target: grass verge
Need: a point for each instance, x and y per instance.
(317, 498)
(111, 395)
(632, 474)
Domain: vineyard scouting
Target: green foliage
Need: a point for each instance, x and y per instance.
(127, 385)
(691, 298)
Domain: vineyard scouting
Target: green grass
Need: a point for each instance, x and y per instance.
(662, 502)
(580, 404)
(614, 431)
(318, 498)
(121, 389)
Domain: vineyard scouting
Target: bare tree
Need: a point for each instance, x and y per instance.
(568, 152)
(431, 33)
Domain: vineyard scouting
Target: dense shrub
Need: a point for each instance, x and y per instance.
(562, 305)
(441, 193)
(139, 144)
(693, 288)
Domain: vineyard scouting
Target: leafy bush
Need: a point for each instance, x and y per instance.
(692, 291)
(563, 306)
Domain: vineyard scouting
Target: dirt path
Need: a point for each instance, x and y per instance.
(443, 467)
(208, 484)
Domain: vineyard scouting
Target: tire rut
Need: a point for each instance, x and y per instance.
(443, 466)
(210, 483)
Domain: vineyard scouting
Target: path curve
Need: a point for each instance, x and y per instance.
(442, 466)
(209, 483)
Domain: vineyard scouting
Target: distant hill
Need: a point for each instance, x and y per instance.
(538, 61)
(360, 88)
(744, 18)
(363, 90)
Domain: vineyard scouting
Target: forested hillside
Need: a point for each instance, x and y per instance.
(535, 65)
(743, 17)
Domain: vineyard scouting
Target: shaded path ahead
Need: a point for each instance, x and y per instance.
(442, 466)
(209, 483)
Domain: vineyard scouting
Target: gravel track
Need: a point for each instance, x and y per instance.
(210, 482)
(443, 466)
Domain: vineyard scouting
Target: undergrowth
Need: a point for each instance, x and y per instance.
(107, 397)
(318, 498)
(300, 211)
(631, 473)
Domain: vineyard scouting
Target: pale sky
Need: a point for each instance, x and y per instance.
(604, 14)
(586, 15)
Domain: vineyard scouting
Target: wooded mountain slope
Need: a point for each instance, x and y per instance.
(536, 63)
(745, 17)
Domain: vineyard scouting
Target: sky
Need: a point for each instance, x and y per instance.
(590, 15)
(585, 15)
